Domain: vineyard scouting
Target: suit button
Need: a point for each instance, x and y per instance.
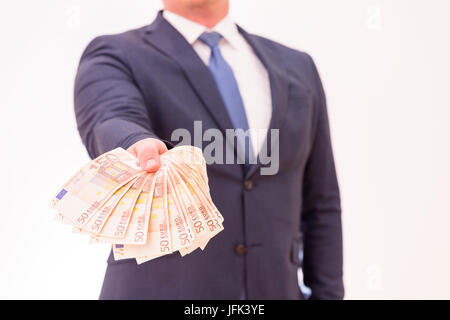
(248, 185)
(240, 249)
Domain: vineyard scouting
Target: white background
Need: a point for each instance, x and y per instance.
(385, 66)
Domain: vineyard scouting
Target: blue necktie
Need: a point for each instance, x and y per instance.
(228, 88)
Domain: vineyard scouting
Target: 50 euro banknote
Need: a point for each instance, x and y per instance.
(80, 198)
(143, 215)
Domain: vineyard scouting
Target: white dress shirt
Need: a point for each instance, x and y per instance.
(251, 75)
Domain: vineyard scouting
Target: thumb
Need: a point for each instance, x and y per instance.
(149, 159)
(147, 151)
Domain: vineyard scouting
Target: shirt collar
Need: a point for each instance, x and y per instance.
(191, 30)
(228, 29)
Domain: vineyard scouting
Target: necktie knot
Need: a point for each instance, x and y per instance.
(211, 39)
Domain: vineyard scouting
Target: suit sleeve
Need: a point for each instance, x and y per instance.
(321, 211)
(109, 107)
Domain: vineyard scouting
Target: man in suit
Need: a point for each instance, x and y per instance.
(193, 63)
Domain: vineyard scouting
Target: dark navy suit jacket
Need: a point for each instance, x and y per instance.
(149, 81)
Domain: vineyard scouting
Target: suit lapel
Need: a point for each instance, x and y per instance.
(164, 37)
(279, 86)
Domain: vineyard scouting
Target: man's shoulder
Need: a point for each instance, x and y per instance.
(299, 64)
(282, 50)
(117, 42)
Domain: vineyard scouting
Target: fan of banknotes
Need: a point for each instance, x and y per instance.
(143, 215)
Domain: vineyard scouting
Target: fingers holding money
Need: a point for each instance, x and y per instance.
(143, 215)
(148, 152)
